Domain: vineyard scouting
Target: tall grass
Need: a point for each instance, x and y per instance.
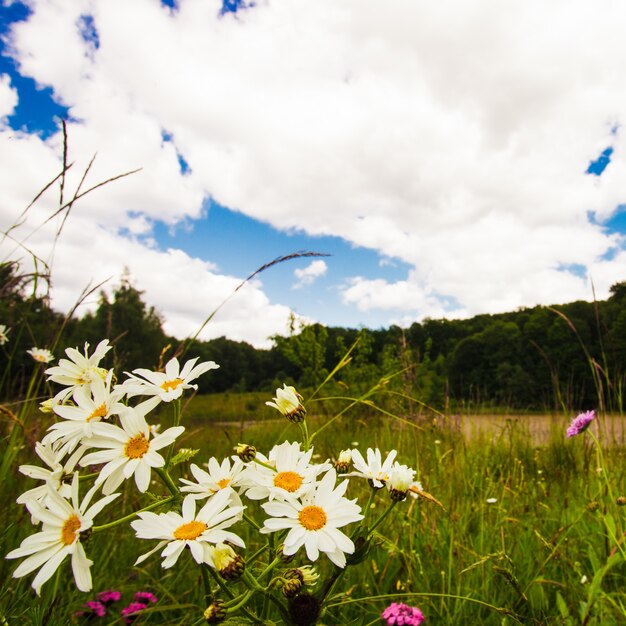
(522, 537)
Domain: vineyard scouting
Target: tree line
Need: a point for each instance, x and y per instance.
(561, 357)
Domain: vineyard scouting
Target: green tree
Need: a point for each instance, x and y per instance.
(134, 329)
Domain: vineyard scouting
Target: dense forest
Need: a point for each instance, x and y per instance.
(561, 357)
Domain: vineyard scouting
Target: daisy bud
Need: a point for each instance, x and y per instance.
(306, 573)
(344, 461)
(621, 501)
(245, 452)
(227, 562)
(289, 402)
(215, 612)
(292, 582)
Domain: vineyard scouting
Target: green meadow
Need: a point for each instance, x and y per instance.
(524, 532)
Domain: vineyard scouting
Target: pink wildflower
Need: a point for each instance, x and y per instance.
(109, 597)
(399, 614)
(130, 612)
(95, 609)
(145, 597)
(580, 423)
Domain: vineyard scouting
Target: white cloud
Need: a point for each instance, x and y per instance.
(8, 96)
(444, 136)
(309, 274)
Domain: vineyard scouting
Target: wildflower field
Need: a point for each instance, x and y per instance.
(117, 509)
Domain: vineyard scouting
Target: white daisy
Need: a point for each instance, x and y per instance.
(93, 403)
(55, 476)
(293, 474)
(198, 531)
(79, 370)
(374, 469)
(63, 523)
(220, 476)
(41, 355)
(401, 477)
(314, 521)
(168, 385)
(4, 334)
(127, 450)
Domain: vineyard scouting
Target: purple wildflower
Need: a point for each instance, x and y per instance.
(94, 609)
(580, 423)
(130, 612)
(399, 614)
(145, 597)
(109, 597)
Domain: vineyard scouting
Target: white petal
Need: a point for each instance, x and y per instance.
(80, 567)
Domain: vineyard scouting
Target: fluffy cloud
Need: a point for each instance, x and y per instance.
(310, 273)
(8, 97)
(443, 136)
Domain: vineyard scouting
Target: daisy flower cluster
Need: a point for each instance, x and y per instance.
(290, 499)
(96, 426)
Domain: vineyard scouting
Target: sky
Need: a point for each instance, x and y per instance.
(446, 158)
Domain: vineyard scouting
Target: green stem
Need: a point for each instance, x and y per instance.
(208, 592)
(367, 509)
(252, 522)
(305, 435)
(126, 518)
(269, 568)
(170, 450)
(240, 602)
(167, 479)
(266, 465)
(382, 517)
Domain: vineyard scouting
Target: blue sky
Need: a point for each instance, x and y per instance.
(266, 128)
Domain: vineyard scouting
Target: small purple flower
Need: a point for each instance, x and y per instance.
(145, 597)
(130, 612)
(94, 609)
(109, 597)
(399, 614)
(580, 423)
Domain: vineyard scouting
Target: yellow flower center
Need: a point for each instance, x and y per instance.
(136, 447)
(312, 517)
(169, 385)
(289, 481)
(69, 529)
(224, 482)
(101, 411)
(190, 530)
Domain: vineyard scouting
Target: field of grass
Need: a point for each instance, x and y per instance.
(526, 533)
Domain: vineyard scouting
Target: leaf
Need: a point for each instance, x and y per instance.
(184, 454)
(561, 605)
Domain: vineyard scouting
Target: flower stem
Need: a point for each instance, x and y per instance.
(167, 479)
(126, 518)
(177, 413)
(382, 517)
